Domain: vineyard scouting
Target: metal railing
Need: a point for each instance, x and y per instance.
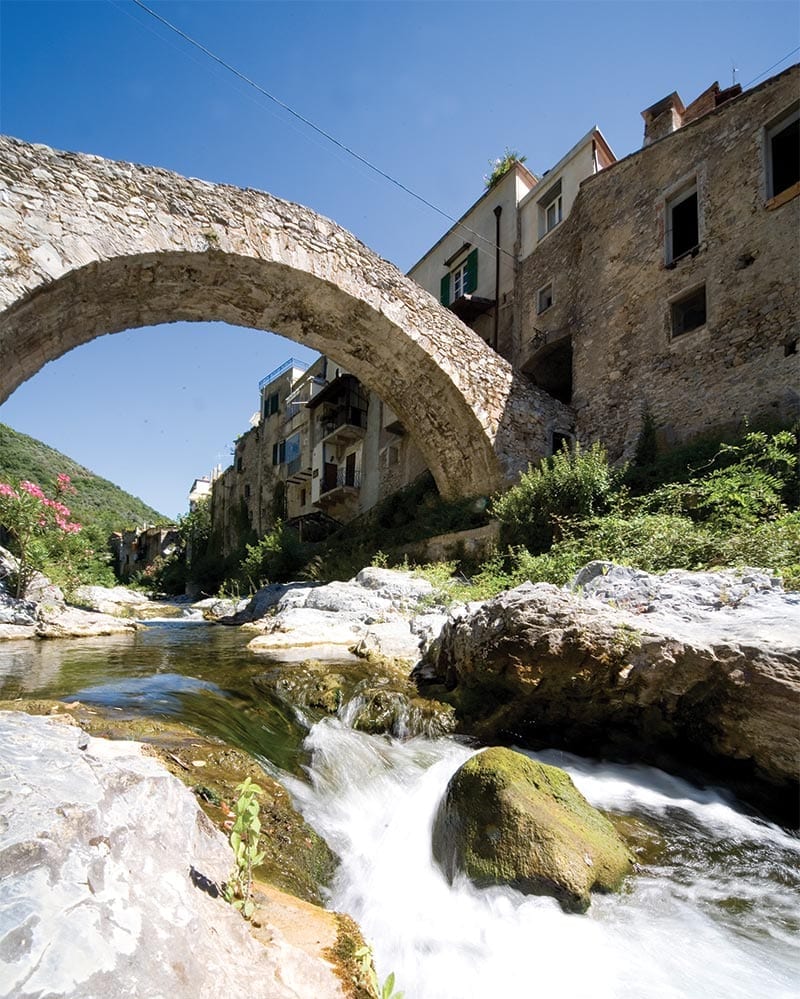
(344, 478)
(291, 363)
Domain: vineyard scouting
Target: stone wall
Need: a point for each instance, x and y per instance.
(242, 497)
(613, 287)
(89, 246)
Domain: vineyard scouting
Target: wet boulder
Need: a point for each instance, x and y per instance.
(508, 820)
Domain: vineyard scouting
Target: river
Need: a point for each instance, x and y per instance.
(714, 914)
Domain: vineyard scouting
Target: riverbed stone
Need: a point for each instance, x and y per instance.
(507, 820)
(110, 879)
(374, 612)
(698, 672)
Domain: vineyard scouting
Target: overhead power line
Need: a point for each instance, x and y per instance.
(310, 124)
(769, 69)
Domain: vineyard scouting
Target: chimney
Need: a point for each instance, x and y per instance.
(663, 118)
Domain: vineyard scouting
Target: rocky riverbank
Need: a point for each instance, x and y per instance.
(111, 871)
(696, 672)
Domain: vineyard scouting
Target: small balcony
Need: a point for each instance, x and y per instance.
(297, 472)
(343, 426)
(338, 483)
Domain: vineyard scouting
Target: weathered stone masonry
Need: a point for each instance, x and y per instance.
(89, 246)
(613, 287)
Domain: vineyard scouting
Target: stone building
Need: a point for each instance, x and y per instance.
(672, 285)
(665, 282)
(136, 550)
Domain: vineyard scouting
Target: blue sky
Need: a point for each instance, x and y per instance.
(428, 91)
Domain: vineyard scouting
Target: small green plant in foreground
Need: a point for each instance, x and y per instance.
(386, 991)
(244, 838)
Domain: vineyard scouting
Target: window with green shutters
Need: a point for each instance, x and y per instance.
(462, 280)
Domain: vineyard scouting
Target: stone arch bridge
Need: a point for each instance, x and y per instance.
(89, 246)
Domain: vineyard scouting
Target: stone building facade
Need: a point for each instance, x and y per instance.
(665, 282)
(673, 283)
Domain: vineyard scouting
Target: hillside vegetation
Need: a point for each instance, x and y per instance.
(97, 501)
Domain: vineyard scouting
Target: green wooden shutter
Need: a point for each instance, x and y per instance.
(472, 273)
(444, 290)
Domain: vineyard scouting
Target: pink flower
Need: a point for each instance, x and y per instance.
(64, 483)
(6, 490)
(32, 489)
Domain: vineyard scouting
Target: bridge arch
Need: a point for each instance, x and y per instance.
(90, 246)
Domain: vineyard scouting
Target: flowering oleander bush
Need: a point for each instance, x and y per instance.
(39, 527)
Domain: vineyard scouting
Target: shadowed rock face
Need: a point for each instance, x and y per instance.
(89, 246)
(698, 672)
(506, 819)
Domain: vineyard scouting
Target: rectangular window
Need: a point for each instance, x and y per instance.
(247, 490)
(458, 281)
(550, 210)
(292, 447)
(544, 298)
(462, 280)
(783, 155)
(689, 312)
(274, 403)
(239, 465)
(682, 224)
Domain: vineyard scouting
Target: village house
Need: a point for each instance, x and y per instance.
(662, 285)
(671, 286)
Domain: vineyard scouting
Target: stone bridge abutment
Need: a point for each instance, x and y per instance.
(89, 246)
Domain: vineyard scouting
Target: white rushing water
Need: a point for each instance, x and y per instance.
(717, 918)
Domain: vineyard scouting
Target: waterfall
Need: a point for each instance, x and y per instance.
(716, 917)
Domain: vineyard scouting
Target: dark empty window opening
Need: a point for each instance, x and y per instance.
(689, 312)
(247, 490)
(784, 154)
(790, 348)
(239, 465)
(553, 371)
(683, 230)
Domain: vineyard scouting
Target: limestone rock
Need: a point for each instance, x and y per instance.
(71, 622)
(114, 600)
(13, 611)
(698, 672)
(403, 589)
(110, 879)
(371, 613)
(506, 819)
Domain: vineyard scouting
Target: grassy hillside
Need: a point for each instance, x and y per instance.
(98, 501)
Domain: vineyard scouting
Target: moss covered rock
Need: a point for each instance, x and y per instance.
(507, 820)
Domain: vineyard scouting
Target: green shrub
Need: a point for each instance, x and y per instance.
(570, 484)
(744, 483)
(773, 545)
(276, 558)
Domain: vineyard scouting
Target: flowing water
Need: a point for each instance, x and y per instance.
(713, 914)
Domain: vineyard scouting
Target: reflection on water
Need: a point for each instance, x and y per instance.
(197, 673)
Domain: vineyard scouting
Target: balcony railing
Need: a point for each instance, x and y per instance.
(291, 363)
(339, 478)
